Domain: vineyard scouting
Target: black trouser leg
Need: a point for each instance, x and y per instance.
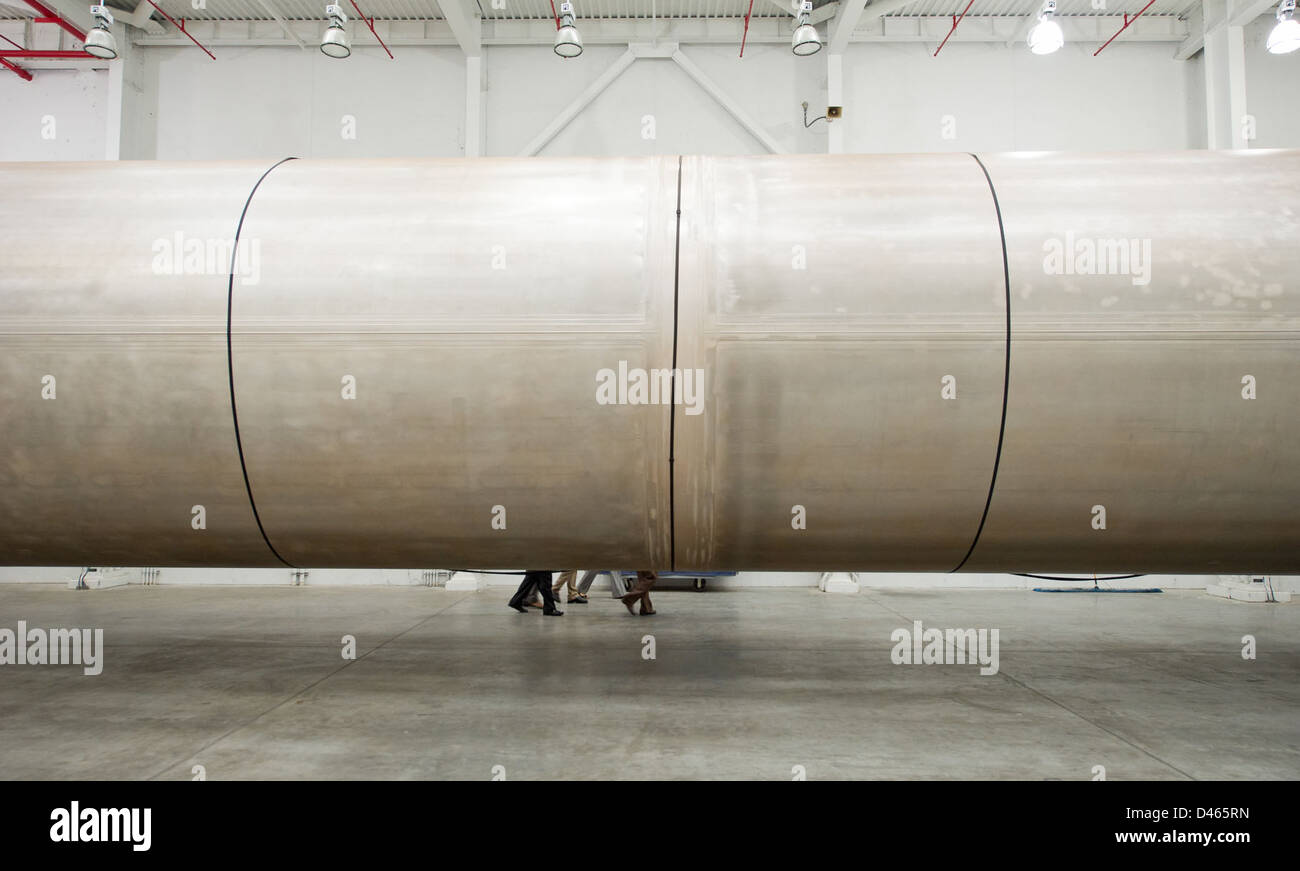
(525, 590)
(543, 581)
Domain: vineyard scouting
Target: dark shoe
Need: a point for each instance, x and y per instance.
(578, 600)
(554, 612)
(630, 600)
(520, 608)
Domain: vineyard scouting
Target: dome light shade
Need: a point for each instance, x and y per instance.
(806, 41)
(335, 42)
(1285, 37)
(100, 43)
(1046, 37)
(568, 41)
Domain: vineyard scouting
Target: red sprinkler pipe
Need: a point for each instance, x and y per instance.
(956, 19)
(745, 35)
(53, 17)
(557, 17)
(370, 22)
(181, 27)
(19, 70)
(48, 55)
(1127, 22)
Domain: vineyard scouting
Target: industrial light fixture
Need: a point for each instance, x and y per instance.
(100, 41)
(1046, 37)
(568, 41)
(805, 40)
(335, 42)
(1285, 36)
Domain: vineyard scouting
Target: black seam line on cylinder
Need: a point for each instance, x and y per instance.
(1006, 371)
(672, 400)
(230, 362)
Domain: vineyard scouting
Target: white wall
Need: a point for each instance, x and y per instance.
(269, 103)
(1271, 82)
(523, 96)
(74, 99)
(1131, 97)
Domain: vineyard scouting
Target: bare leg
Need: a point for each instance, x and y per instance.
(641, 592)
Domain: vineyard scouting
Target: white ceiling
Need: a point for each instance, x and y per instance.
(538, 9)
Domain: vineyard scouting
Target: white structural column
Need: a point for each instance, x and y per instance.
(837, 41)
(474, 106)
(467, 26)
(1225, 77)
(834, 97)
(124, 138)
(117, 74)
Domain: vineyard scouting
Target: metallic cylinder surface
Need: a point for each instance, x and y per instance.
(114, 388)
(471, 304)
(826, 300)
(1178, 279)
(1029, 362)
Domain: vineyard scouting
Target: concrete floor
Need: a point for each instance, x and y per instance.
(249, 682)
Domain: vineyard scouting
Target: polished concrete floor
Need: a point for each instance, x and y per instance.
(250, 683)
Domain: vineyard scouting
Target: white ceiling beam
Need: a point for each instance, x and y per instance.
(279, 19)
(845, 23)
(824, 13)
(141, 18)
(582, 101)
(466, 24)
(1244, 12)
(1022, 29)
(696, 31)
(74, 13)
(820, 14)
(1238, 14)
(880, 8)
(711, 88)
(1195, 40)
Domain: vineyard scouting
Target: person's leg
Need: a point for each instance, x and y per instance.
(548, 601)
(618, 586)
(585, 584)
(644, 581)
(569, 578)
(521, 595)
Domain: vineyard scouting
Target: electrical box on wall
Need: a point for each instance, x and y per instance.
(834, 111)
